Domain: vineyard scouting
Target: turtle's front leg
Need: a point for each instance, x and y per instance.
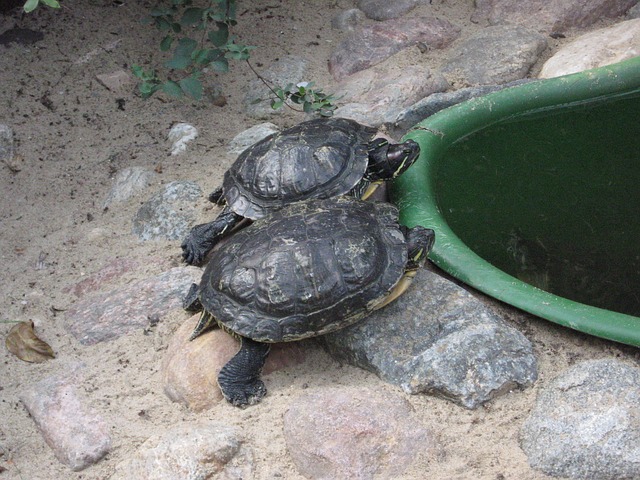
(239, 379)
(203, 238)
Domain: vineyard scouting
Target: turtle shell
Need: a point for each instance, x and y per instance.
(320, 158)
(308, 269)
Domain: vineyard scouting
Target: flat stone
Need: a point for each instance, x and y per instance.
(439, 339)
(378, 95)
(494, 55)
(372, 44)
(128, 183)
(194, 451)
(106, 316)
(549, 16)
(595, 49)
(169, 213)
(353, 433)
(78, 435)
(252, 135)
(187, 382)
(119, 81)
(384, 9)
(586, 423)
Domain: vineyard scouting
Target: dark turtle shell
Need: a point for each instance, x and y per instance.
(320, 158)
(308, 269)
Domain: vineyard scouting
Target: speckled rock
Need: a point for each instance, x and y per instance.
(372, 44)
(168, 214)
(384, 9)
(252, 135)
(77, 434)
(353, 433)
(128, 183)
(439, 339)
(595, 49)
(586, 423)
(549, 15)
(195, 451)
(105, 316)
(186, 381)
(495, 55)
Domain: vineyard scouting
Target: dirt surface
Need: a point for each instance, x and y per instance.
(72, 136)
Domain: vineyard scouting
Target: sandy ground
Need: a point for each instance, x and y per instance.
(72, 137)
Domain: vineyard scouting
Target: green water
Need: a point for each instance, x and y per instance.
(553, 198)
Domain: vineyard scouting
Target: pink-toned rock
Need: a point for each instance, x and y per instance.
(190, 368)
(353, 433)
(110, 272)
(78, 436)
(109, 315)
(118, 81)
(549, 15)
(372, 44)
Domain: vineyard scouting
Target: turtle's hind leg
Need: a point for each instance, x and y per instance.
(202, 238)
(239, 379)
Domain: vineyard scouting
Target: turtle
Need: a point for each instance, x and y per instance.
(319, 158)
(305, 270)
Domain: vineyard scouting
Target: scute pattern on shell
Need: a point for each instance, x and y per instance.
(320, 158)
(305, 270)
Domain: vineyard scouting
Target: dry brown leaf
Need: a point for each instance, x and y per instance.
(24, 344)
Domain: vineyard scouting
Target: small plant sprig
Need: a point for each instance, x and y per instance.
(31, 5)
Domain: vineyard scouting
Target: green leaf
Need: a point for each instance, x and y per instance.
(207, 55)
(137, 71)
(172, 88)
(165, 44)
(182, 54)
(276, 104)
(176, 27)
(160, 12)
(220, 66)
(30, 5)
(51, 3)
(219, 37)
(162, 24)
(191, 16)
(192, 87)
(147, 89)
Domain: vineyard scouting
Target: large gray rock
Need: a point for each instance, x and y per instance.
(169, 214)
(586, 423)
(190, 452)
(439, 339)
(78, 435)
(353, 433)
(595, 49)
(372, 44)
(384, 9)
(106, 316)
(549, 15)
(377, 95)
(495, 55)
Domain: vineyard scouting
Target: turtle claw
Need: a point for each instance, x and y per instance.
(250, 394)
(193, 250)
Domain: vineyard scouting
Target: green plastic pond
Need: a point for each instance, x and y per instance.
(534, 194)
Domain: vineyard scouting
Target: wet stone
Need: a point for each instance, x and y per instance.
(439, 339)
(384, 9)
(128, 183)
(78, 435)
(495, 55)
(372, 44)
(106, 316)
(355, 433)
(586, 423)
(168, 214)
(191, 452)
(186, 381)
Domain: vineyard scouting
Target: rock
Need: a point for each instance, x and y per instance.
(377, 95)
(586, 423)
(384, 9)
(6, 144)
(168, 214)
(287, 69)
(78, 436)
(596, 49)
(439, 339)
(372, 44)
(128, 183)
(179, 135)
(190, 452)
(353, 433)
(118, 82)
(439, 101)
(549, 16)
(113, 270)
(105, 316)
(252, 135)
(497, 54)
(347, 20)
(634, 12)
(186, 382)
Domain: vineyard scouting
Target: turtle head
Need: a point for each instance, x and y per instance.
(420, 241)
(389, 160)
